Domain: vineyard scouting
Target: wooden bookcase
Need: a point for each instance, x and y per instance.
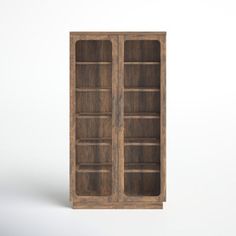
(117, 120)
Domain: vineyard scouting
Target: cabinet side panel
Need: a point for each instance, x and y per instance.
(163, 116)
(72, 118)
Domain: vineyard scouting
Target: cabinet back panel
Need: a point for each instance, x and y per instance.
(144, 184)
(142, 154)
(142, 50)
(93, 154)
(93, 51)
(93, 102)
(93, 183)
(142, 128)
(142, 76)
(141, 102)
(93, 76)
(93, 128)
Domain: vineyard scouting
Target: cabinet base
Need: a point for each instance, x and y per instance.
(118, 205)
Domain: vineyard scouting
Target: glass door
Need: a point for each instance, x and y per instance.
(140, 162)
(95, 169)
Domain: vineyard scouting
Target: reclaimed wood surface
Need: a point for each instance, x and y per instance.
(117, 120)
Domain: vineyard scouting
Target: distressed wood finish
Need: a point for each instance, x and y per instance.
(117, 120)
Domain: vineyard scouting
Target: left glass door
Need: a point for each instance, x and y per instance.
(94, 120)
(93, 113)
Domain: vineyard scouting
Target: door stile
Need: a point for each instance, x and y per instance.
(121, 118)
(115, 112)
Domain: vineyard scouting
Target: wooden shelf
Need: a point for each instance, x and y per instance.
(141, 89)
(93, 142)
(134, 139)
(141, 171)
(96, 167)
(93, 63)
(142, 164)
(142, 63)
(93, 170)
(93, 89)
(94, 139)
(95, 164)
(126, 115)
(144, 115)
(93, 115)
(142, 167)
(142, 142)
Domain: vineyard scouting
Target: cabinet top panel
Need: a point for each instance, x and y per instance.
(119, 33)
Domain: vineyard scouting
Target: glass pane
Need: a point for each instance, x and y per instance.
(142, 117)
(94, 121)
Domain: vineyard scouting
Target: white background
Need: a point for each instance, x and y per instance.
(34, 116)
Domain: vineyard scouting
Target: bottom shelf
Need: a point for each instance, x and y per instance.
(142, 167)
(93, 183)
(142, 184)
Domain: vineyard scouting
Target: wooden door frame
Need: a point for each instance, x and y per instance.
(93, 201)
(161, 37)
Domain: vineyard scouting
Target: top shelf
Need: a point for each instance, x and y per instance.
(108, 63)
(94, 63)
(141, 63)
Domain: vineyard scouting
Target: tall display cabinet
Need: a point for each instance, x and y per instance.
(117, 119)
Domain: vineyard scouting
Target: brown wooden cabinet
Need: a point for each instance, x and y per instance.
(117, 120)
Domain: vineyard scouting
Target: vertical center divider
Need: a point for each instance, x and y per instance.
(115, 112)
(121, 117)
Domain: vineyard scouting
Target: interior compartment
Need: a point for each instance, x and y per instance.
(91, 128)
(141, 154)
(93, 102)
(144, 76)
(142, 184)
(93, 76)
(93, 154)
(93, 51)
(94, 183)
(142, 128)
(141, 102)
(142, 51)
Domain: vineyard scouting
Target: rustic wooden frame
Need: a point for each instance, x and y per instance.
(118, 199)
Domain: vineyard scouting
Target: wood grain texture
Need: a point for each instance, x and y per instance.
(142, 102)
(142, 154)
(117, 205)
(93, 51)
(163, 116)
(142, 51)
(142, 183)
(93, 183)
(120, 133)
(142, 75)
(94, 154)
(72, 121)
(117, 120)
(93, 76)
